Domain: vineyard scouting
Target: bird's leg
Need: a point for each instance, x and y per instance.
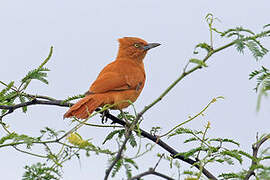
(103, 116)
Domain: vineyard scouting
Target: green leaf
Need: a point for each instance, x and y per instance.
(267, 25)
(236, 31)
(5, 90)
(8, 137)
(130, 161)
(155, 130)
(219, 160)
(240, 46)
(128, 170)
(132, 140)
(225, 140)
(266, 157)
(229, 175)
(247, 155)
(190, 152)
(117, 167)
(254, 49)
(182, 130)
(8, 98)
(111, 135)
(234, 154)
(188, 172)
(190, 140)
(24, 139)
(38, 74)
(204, 46)
(22, 99)
(199, 62)
(41, 171)
(71, 98)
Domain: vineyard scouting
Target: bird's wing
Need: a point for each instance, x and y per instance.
(109, 81)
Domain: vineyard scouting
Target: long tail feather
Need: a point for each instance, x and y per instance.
(85, 107)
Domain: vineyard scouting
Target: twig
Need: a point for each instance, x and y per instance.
(1, 82)
(158, 161)
(165, 146)
(26, 152)
(117, 158)
(255, 148)
(119, 154)
(149, 172)
(38, 96)
(185, 73)
(96, 125)
(191, 118)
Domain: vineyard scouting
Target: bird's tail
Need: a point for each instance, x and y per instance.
(85, 107)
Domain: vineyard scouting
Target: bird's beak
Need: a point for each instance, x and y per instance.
(150, 46)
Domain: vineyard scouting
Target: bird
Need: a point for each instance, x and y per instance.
(119, 83)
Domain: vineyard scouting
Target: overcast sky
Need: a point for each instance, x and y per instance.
(84, 35)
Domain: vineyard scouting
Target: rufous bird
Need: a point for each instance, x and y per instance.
(119, 83)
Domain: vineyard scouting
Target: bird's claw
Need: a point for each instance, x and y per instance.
(103, 116)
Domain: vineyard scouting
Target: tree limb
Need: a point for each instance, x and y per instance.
(149, 172)
(114, 119)
(255, 148)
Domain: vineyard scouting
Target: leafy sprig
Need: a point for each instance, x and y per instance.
(263, 83)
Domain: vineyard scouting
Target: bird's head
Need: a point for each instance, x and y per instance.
(134, 48)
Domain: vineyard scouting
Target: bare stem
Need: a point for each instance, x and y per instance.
(255, 148)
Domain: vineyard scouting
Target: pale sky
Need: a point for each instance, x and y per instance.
(84, 35)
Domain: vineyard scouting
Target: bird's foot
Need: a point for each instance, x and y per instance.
(103, 116)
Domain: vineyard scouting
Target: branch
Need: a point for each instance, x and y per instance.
(118, 156)
(114, 119)
(255, 148)
(150, 171)
(208, 55)
(143, 133)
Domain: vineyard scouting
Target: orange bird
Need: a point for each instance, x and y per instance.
(119, 82)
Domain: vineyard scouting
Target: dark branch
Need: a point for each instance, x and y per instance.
(149, 172)
(118, 156)
(114, 119)
(255, 148)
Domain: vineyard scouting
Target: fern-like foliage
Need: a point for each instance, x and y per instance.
(71, 98)
(41, 171)
(263, 83)
(246, 38)
(38, 74)
(10, 93)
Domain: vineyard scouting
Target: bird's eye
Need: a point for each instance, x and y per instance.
(137, 45)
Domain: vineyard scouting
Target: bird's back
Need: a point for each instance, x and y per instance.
(120, 81)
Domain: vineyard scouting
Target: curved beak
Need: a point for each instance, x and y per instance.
(150, 46)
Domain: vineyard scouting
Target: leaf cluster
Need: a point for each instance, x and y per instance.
(126, 163)
(19, 139)
(208, 150)
(10, 92)
(263, 83)
(40, 171)
(245, 38)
